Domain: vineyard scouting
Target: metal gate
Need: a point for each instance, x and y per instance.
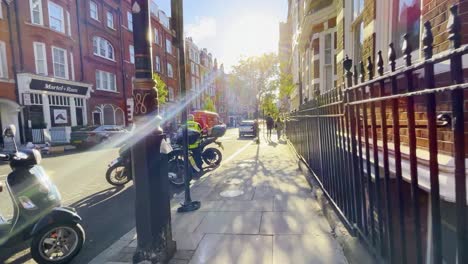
(389, 151)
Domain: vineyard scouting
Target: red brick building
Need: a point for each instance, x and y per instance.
(74, 65)
(104, 54)
(9, 107)
(49, 67)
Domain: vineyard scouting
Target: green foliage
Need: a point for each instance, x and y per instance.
(255, 78)
(161, 87)
(268, 105)
(209, 105)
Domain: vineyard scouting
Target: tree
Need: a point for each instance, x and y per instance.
(255, 77)
(286, 87)
(209, 105)
(161, 88)
(268, 105)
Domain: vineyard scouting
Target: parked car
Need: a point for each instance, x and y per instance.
(93, 135)
(246, 127)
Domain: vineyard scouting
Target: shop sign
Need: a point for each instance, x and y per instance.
(57, 87)
(60, 116)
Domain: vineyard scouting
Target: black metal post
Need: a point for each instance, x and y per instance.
(177, 13)
(152, 208)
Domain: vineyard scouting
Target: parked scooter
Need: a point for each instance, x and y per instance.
(56, 234)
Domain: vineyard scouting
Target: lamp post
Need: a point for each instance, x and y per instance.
(149, 165)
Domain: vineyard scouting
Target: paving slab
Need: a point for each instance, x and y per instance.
(306, 249)
(187, 222)
(227, 249)
(247, 206)
(274, 223)
(231, 223)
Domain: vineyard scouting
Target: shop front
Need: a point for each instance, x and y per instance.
(52, 104)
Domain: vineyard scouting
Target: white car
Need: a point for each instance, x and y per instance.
(246, 127)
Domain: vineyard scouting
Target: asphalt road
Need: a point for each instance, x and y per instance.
(107, 212)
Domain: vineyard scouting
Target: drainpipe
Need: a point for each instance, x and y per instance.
(78, 16)
(15, 71)
(122, 61)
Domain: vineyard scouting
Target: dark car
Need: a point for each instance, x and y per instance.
(93, 135)
(247, 127)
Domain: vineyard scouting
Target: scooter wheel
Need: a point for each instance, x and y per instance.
(58, 243)
(212, 156)
(117, 175)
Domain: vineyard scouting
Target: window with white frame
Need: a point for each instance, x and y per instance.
(171, 93)
(357, 26)
(406, 20)
(157, 39)
(1, 10)
(170, 71)
(40, 58)
(93, 10)
(110, 20)
(158, 64)
(168, 46)
(59, 58)
(105, 81)
(129, 21)
(328, 62)
(192, 67)
(154, 8)
(131, 50)
(103, 48)
(36, 12)
(3, 61)
(56, 18)
(68, 24)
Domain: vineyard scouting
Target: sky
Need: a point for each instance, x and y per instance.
(232, 29)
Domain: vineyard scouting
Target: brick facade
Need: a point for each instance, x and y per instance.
(64, 49)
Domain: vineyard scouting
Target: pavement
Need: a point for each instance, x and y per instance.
(108, 213)
(256, 208)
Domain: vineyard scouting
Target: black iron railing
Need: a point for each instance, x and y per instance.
(390, 157)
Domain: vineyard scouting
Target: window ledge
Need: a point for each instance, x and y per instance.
(48, 28)
(109, 91)
(5, 80)
(99, 56)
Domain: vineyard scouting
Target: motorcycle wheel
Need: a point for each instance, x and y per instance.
(212, 156)
(117, 175)
(58, 243)
(176, 171)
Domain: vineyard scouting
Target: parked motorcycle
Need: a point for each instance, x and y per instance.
(119, 172)
(55, 230)
(210, 156)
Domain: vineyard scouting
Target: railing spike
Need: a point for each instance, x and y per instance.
(407, 49)
(428, 40)
(355, 74)
(391, 57)
(380, 63)
(362, 76)
(347, 65)
(370, 68)
(454, 27)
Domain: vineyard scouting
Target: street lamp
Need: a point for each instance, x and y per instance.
(149, 165)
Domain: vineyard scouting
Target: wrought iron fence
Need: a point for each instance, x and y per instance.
(390, 151)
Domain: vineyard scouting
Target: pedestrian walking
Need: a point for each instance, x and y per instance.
(270, 123)
(279, 125)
